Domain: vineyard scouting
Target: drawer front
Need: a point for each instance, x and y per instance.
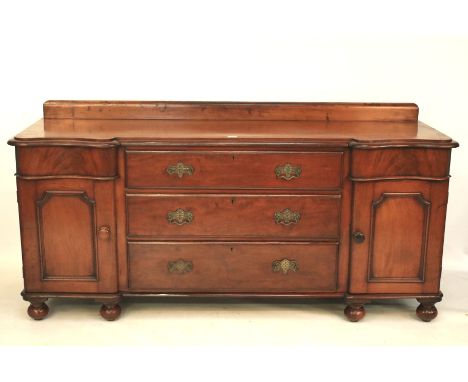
(402, 162)
(232, 267)
(50, 161)
(227, 216)
(233, 170)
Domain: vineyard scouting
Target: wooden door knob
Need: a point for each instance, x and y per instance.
(104, 232)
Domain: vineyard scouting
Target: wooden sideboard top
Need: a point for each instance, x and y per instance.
(231, 123)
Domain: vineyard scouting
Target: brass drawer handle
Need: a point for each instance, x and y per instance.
(180, 266)
(288, 171)
(180, 169)
(287, 217)
(284, 265)
(179, 216)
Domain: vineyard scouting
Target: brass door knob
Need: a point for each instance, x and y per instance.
(358, 237)
(104, 232)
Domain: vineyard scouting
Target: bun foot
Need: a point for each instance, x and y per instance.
(426, 311)
(355, 313)
(38, 311)
(110, 312)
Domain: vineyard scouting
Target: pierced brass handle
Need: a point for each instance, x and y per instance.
(180, 266)
(284, 265)
(288, 171)
(179, 216)
(358, 237)
(287, 217)
(180, 169)
(104, 232)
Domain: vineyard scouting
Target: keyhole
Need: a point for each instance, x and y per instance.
(233, 200)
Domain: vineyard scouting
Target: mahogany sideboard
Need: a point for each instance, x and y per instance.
(204, 199)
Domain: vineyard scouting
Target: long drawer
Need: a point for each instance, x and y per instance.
(206, 216)
(232, 267)
(233, 170)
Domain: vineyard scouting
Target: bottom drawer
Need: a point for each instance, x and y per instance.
(232, 267)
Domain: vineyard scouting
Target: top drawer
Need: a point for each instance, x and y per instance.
(66, 161)
(233, 170)
(424, 163)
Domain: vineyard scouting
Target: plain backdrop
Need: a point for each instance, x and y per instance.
(400, 51)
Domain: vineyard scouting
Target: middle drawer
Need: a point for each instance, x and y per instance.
(257, 217)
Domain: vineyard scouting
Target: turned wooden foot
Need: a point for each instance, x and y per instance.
(110, 312)
(38, 309)
(355, 312)
(426, 310)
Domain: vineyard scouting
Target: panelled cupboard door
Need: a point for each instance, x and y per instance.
(397, 236)
(68, 235)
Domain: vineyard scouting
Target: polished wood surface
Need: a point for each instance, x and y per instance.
(406, 163)
(79, 162)
(59, 221)
(403, 225)
(123, 110)
(56, 212)
(234, 216)
(38, 309)
(233, 267)
(122, 198)
(260, 134)
(247, 170)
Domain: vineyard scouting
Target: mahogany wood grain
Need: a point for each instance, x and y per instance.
(240, 216)
(229, 110)
(67, 235)
(402, 162)
(233, 267)
(233, 170)
(258, 134)
(199, 296)
(402, 222)
(96, 185)
(121, 222)
(345, 224)
(59, 222)
(66, 161)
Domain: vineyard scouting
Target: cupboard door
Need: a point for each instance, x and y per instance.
(68, 236)
(397, 233)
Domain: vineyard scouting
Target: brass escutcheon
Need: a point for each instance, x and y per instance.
(180, 266)
(284, 265)
(180, 169)
(179, 216)
(287, 217)
(288, 171)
